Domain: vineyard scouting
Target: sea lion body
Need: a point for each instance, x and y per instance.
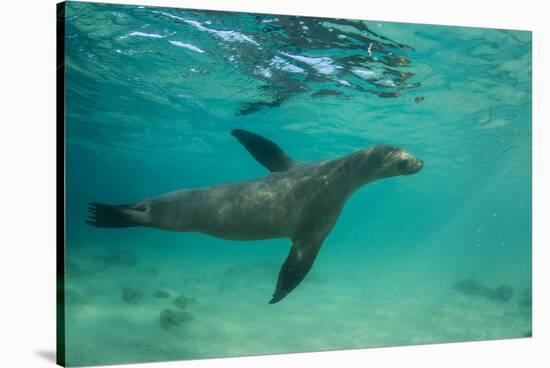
(274, 206)
(301, 201)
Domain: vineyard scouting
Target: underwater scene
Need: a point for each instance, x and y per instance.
(244, 184)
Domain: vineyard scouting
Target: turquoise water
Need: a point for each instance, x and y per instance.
(152, 95)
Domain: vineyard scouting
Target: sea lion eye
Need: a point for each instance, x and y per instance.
(402, 164)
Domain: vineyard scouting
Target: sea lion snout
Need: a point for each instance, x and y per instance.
(411, 165)
(415, 167)
(408, 164)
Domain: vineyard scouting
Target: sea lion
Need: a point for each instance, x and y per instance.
(297, 200)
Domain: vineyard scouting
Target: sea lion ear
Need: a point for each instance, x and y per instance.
(264, 151)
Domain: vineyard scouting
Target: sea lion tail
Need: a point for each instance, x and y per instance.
(104, 215)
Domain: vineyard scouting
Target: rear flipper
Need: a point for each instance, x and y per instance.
(104, 215)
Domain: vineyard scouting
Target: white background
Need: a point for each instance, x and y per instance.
(27, 181)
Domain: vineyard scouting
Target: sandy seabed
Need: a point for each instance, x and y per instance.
(122, 307)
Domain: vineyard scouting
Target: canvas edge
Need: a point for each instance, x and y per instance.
(60, 185)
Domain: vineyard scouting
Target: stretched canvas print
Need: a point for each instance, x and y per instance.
(240, 184)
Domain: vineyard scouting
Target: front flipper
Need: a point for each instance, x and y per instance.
(297, 265)
(265, 151)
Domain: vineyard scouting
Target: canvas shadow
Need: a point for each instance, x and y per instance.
(48, 355)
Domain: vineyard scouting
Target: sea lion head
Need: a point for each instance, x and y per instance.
(388, 160)
(384, 161)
